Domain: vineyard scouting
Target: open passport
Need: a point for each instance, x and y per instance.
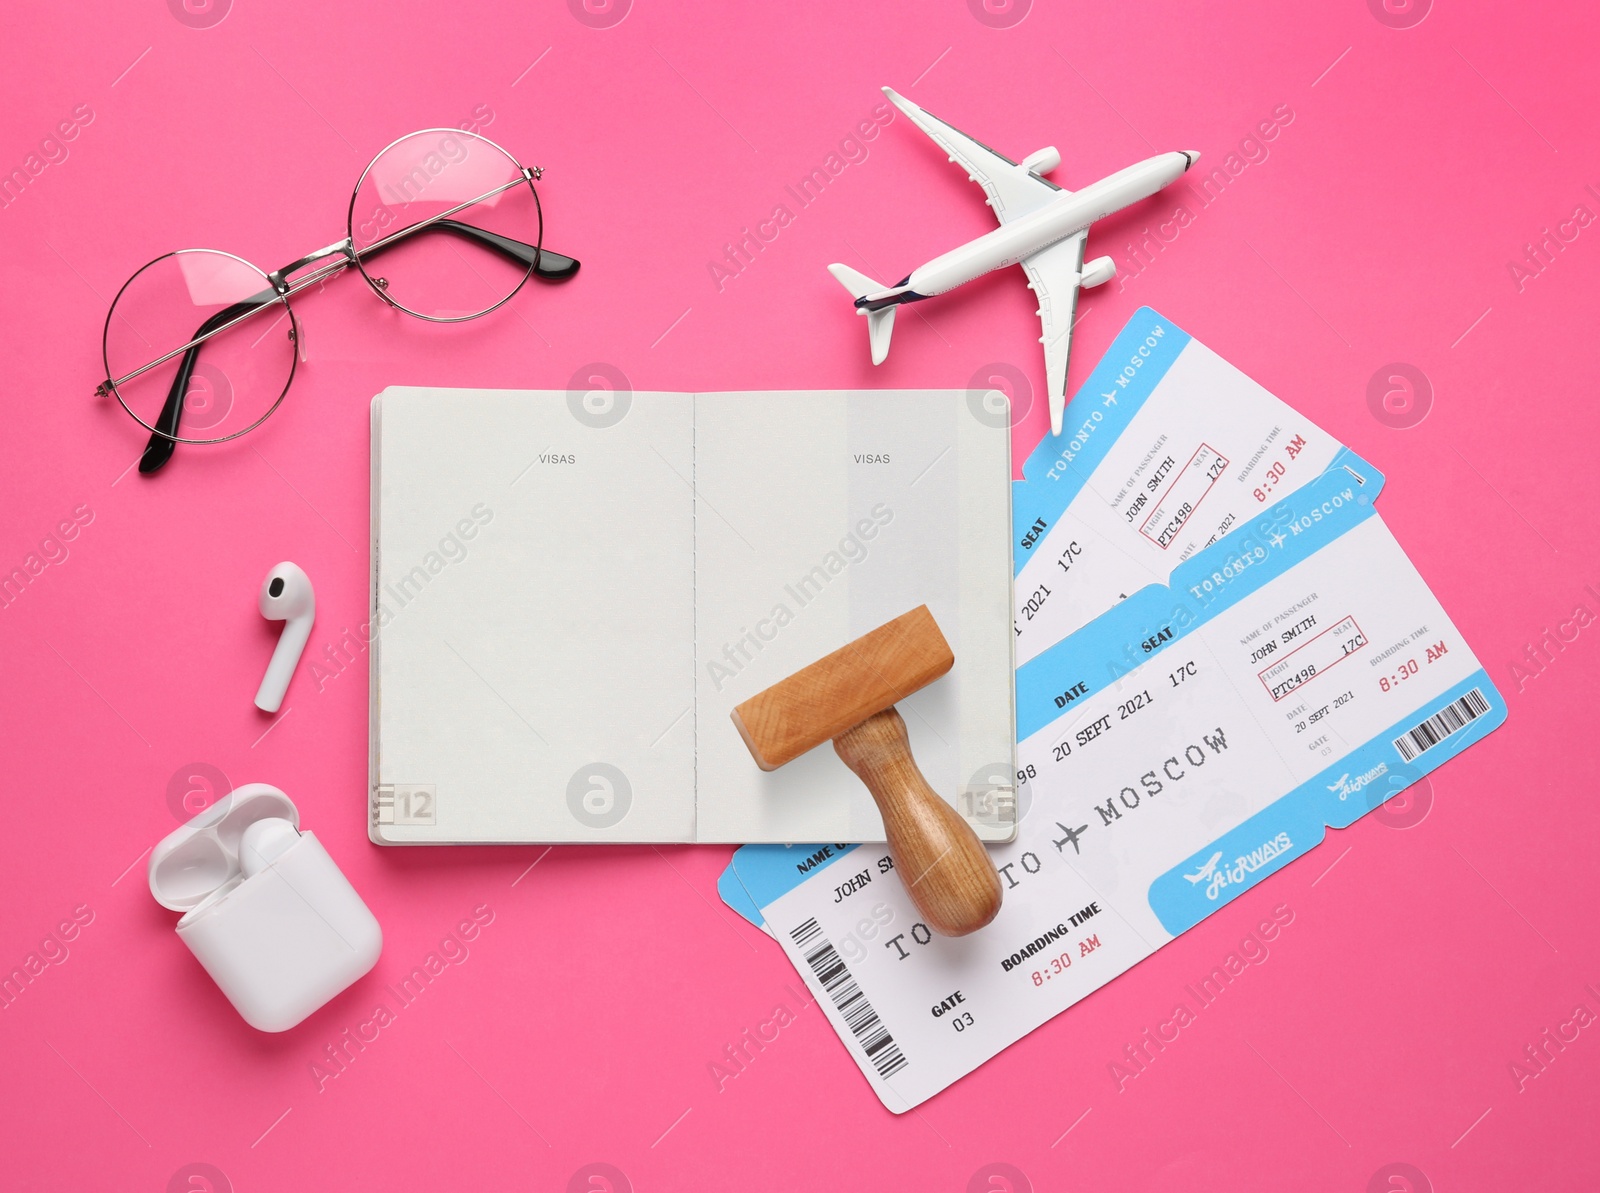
(571, 590)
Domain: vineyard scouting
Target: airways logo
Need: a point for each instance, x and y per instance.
(1204, 873)
(1345, 785)
(1217, 877)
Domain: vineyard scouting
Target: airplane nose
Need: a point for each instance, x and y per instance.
(1192, 154)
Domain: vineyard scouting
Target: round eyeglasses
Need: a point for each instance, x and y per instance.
(200, 346)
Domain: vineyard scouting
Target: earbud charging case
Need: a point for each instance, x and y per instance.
(280, 943)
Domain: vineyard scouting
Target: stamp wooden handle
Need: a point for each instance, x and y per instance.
(940, 859)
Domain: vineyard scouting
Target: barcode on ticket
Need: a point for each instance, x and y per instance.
(1441, 725)
(848, 999)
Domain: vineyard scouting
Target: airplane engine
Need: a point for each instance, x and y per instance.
(1098, 272)
(1042, 161)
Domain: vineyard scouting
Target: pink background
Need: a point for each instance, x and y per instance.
(1431, 943)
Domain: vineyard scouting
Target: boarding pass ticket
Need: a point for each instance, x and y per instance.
(1193, 741)
(1165, 449)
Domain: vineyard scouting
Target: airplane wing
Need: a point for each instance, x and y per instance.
(1054, 275)
(1012, 191)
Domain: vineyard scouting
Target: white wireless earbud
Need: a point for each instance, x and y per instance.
(286, 596)
(263, 843)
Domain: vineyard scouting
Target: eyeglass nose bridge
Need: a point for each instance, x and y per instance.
(284, 285)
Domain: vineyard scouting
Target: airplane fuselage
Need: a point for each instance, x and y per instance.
(1066, 215)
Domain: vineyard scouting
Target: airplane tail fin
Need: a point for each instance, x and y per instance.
(880, 323)
(859, 284)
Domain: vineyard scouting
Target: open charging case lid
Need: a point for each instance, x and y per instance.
(195, 862)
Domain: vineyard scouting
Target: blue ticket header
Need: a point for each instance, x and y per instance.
(1058, 468)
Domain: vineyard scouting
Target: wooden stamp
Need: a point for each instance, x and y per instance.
(848, 697)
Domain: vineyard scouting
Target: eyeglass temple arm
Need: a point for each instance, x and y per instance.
(160, 447)
(547, 265)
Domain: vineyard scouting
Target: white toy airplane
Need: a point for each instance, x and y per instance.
(1042, 228)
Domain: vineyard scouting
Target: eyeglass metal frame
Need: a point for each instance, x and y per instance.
(281, 286)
